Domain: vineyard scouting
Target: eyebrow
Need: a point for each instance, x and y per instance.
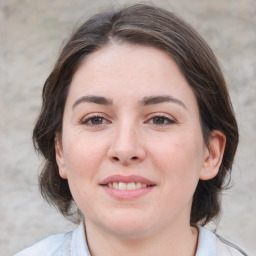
(93, 99)
(151, 100)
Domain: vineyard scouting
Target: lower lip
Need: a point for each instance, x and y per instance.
(127, 194)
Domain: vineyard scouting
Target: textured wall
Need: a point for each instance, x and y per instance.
(31, 32)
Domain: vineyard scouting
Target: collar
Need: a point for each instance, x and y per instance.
(206, 242)
(79, 245)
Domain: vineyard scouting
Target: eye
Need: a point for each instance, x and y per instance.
(161, 120)
(94, 120)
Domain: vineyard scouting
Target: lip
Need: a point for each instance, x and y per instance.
(127, 194)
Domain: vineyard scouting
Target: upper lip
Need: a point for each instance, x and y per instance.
(126, 179)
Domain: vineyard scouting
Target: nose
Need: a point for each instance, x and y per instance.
(127, 146)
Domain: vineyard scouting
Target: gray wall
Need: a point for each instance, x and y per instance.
(31, 32)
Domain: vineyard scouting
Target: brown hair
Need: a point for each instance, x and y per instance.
(151, 26)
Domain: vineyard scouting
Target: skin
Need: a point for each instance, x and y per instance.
(162, 142)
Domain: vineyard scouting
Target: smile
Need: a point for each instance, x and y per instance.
(127, 186)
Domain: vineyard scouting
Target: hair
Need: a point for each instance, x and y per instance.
(147, 25)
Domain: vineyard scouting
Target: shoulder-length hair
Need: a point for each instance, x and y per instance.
(147, 25)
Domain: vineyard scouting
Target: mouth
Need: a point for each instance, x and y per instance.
(127, 187)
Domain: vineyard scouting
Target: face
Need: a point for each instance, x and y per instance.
(131, 145)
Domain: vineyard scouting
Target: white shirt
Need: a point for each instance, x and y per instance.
(74, 244)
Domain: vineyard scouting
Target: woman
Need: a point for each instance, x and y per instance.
(139, 136)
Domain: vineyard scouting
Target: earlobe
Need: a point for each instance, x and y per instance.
(60, 157)
(213, 155)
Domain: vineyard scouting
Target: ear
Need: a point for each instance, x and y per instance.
(60, 157)
(213, 155)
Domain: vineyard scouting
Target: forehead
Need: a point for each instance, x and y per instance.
(134, 70)
(126, 60)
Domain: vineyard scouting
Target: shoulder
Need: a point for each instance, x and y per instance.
(211, 244)
(224, 247)
(48, 246)
(72, 243)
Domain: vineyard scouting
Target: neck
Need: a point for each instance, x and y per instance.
(180, 241)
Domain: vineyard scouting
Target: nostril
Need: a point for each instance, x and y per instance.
(115, 158)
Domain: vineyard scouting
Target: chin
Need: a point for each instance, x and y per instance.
(127, 225)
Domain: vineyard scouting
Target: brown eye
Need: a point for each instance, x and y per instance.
(161, 120)
(97, 120)
(94, 120)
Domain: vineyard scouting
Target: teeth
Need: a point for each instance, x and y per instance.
(131, 186)
(126, 186)
(143, 185)
(115, 185)
(138, 185)
(122, 186)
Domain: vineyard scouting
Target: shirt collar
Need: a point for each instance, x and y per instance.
(206, 242)
(79, 243)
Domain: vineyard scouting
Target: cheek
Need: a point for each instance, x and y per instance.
(179, 158)
(83, 158)
(83, 155)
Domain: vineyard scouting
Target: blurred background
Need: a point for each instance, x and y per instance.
(31, 33)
